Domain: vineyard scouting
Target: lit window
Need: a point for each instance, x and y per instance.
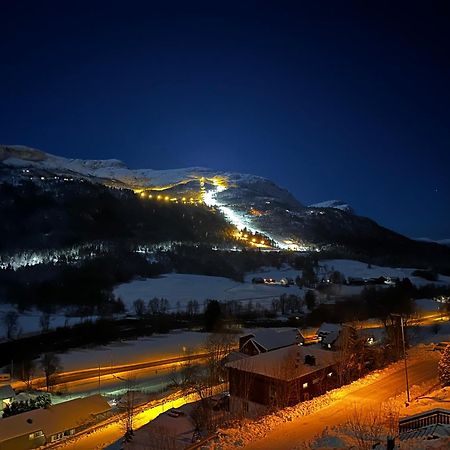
(330, 374)
(305, 385)
(35, 435)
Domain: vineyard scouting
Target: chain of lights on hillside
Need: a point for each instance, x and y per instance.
(245, 229)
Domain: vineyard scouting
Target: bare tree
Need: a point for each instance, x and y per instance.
(191, 378)
(154, 305)
(128, 408)
(218, 346)
(44, 321)
(11, 321)
(51, 365)
(351, 354)
(204, 380)
(364, 429)
(27, 370)
(139, 307)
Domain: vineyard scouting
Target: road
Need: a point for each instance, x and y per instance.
(289, 434)
(80, 379)
(108, 432)
(77, 375)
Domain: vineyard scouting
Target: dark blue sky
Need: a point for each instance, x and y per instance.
(328, 99)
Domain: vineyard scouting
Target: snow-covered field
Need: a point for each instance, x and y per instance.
(358, 269)
(28, 322)
(158, 346)
(180, 288)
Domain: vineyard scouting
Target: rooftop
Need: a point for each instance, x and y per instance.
(272, 339)
(54, 419)
(6, 392)
(281, 363)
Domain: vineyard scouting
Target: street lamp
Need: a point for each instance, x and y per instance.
(404, 357)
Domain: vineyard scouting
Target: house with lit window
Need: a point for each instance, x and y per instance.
(336, 337)
(39, 427)
(280, 378)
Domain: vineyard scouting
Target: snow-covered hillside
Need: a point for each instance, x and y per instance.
(238, 196)
(435, 241)
(338, 204)
(115, 170)
(246, 201)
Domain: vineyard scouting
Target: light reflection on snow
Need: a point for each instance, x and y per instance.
(242, 221)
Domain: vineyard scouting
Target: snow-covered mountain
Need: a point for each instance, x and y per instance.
(239, 196)
(338, 204)
(435, 241)
(246, 201)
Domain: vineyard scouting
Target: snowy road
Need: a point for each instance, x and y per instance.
(290, 434)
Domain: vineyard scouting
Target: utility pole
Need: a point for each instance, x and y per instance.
(404, 358)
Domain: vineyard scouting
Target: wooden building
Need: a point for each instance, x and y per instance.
(280, 378)
(38, 427)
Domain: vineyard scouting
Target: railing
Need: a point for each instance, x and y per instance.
(432, 417)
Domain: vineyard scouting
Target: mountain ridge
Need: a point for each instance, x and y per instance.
(248, 202)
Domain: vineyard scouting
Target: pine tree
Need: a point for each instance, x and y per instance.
(444, 367)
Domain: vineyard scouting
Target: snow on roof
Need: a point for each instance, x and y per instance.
(174, 423)
(6, 392)
(272, 339)
(235, 356)
(327, 328)
(55, 418)
(331, 337)
(434, 431)
(281, 363)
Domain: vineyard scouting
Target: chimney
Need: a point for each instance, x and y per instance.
(310, 360)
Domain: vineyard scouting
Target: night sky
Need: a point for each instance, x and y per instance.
(331, 100)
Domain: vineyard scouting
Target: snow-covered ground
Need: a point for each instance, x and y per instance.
(158, 346)
(179, 289)
(28, 322)
(272, 272)
(300, 425)
(428, 305)
(358, 269)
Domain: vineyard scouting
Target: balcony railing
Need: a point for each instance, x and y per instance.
(432, 417)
